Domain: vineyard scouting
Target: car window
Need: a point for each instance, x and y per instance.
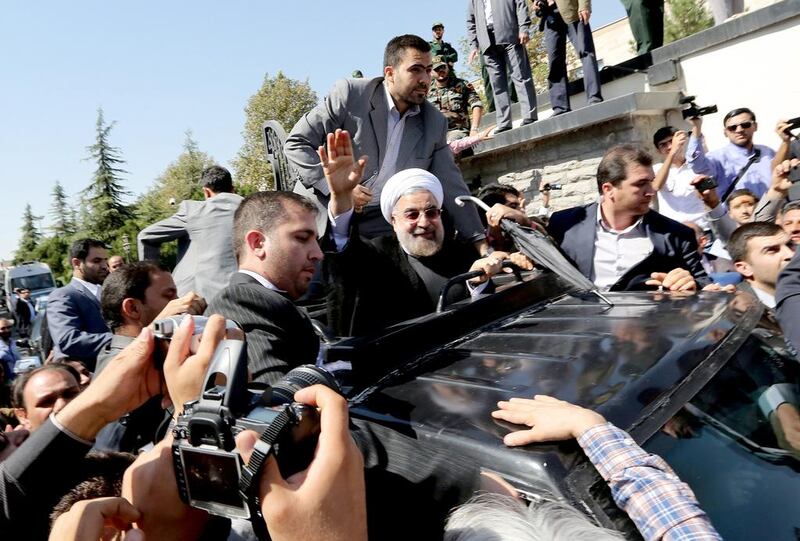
(742, 461)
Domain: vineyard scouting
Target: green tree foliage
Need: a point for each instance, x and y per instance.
(685, 17)
(31, 236)
(179, 181)
(279, 98)
(55, 251)
(105, 211)
(62, 216)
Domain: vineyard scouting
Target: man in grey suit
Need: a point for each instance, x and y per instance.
(74, 317)
(203, 229)
(395, 127)
(275, 239)
(499, 30)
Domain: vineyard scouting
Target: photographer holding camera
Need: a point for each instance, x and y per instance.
(740, 159)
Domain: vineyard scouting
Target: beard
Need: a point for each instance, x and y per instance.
(419, 246)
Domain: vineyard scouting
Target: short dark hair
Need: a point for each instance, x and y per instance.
(662, 133)
(102, 473)
(496, 193)
(613, 167)
(129, 281)
(737, 245)
(737, 112)
(739, 193)
(264, 211)
(80, 248)
(18, 389)
(396, 48)
(788, 207)
(217, 179)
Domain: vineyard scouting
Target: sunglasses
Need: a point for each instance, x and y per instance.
(744, 125)
(432, 213)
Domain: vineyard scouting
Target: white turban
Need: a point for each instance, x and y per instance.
(405, 181)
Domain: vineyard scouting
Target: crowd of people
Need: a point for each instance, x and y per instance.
(89, 446)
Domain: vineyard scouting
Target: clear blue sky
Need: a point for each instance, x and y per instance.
(160, 68)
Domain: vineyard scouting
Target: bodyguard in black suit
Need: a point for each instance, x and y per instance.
(275, 241)
(638, 247)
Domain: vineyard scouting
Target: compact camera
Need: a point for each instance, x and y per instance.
(693, 111)
(208, 469)
(548, 187)
(164, 330)
(707, 183)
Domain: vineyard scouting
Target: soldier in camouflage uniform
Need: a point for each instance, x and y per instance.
(457, 101)
(439, 47)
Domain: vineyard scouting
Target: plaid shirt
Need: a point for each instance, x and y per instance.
(645, 487)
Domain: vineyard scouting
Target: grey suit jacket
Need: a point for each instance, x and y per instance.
(279, 334)
(76, 324)
(360, 107)
(510, 17)
(204, 230)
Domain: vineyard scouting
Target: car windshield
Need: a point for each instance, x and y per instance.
(733, 452)
(33, 282)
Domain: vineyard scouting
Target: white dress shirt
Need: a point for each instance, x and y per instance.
(616, 252)
(678, 199)
(764, 297)
(395, 125)
(261, 280)
(487, 11)
(94, 289)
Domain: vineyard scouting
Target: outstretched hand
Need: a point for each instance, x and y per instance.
(549, 419)
(342, 171)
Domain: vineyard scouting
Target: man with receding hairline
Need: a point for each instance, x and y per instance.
(275, 242)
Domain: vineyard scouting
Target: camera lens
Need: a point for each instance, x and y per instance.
(300, 378)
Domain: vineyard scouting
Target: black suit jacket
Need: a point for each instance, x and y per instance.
(34, 478)
(674, 246)
(279, 334)
(373, 284)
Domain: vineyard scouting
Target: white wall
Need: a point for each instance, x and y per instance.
(758, 71)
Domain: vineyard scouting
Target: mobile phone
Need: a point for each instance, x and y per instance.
(706, 184)
(794, 123)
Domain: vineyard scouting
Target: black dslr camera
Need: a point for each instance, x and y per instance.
(208, 469)
(693, 111)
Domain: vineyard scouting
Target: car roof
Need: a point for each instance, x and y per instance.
(636, 362)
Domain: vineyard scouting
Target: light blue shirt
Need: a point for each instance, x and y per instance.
(9, 355)
(726, 162)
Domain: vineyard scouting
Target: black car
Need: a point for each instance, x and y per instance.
(682, 373)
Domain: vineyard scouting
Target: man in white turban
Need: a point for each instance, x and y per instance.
(392, 278)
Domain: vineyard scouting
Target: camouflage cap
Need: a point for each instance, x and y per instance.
(357, 74)
(437, 25)
(438, 61)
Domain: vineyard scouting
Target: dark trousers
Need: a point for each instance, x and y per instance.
(498, 58)
(646, 18)
(555, 40)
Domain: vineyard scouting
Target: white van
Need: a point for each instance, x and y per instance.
(29, 275)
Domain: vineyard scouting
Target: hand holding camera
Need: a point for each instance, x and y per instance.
(707, 190)
(326, 501)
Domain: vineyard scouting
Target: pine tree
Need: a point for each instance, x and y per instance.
(30, 238)
(279, 98)
(685, 17)
(105, 211)
(62, 216)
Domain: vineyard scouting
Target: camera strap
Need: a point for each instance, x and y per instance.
(263, 448)
(753, 159)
